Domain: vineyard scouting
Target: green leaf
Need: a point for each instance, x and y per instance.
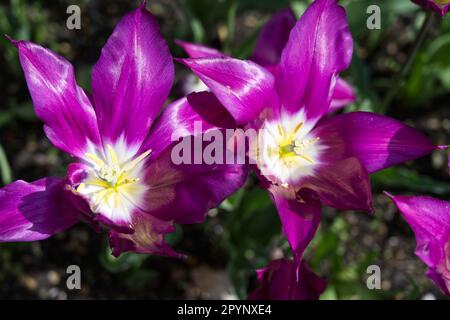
(404, 178)
(5, 169)
(124, 262)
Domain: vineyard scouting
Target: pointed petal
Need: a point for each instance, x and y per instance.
(132, 78)
(319, 47)
(377, 141)
(273, 38)
(244, 88)
(343, 95)
(300, 219)
(280, 281)
(429, 218)
(195, 113)
(34, 211)
(442, 282)
(70, 121)
(343, 185)
(195, 51)
(185, 192)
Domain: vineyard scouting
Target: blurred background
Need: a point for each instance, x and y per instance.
(244, 233)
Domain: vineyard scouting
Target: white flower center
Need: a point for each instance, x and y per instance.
(114, 186)
(286, 150)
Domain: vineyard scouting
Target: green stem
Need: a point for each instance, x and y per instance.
(399, 80)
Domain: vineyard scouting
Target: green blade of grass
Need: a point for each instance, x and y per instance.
(5, 169)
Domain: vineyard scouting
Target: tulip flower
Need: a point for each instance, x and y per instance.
(301, 156)
(439, 6)
(282, 280)
(269, 45)
(122, 177)
(429, 218)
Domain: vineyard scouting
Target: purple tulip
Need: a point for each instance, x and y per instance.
(430, 220)
(270, 43)
(302, 157)
(439, 6)
(283, 280)
(123, 178)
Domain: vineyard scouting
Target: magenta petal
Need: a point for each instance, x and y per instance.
(197, 111)
(185, 192)
(377, 141)
(148, 237)
(269, 46)
(300, 220)
(34, 211)
(244, 88)
(280, 281)
(343, 185)
(429, 218)
(70, 121)
(132, 78)
(343, 95)
(273, 38)
(319, 47)
(442, 282)
(195, 51)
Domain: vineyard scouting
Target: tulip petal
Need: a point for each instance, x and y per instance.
(280, 280)
(442, 282)
(343, 185)
(147, 237)
(195, 113)
(70, 121)
(195, 51)
(244, 88)
(132, 78)
(185, 192)
(300, 220)
(429, 218)
(34, 211)
(270, 44)
(343, 95)
(319, 47)
(377, 141)
(273, 38)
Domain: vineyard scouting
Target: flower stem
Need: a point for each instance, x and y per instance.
(399, 80)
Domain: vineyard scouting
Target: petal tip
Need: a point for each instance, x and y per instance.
(390, 195)
(184, 61)
(143, 5)
(13, 41)
(179, 42)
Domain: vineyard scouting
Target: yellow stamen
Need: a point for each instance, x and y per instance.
(307, 158)
(132, 164)
(96, 182)
(112, 155)
(96, 160)
(280, 130)
(298, 127)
